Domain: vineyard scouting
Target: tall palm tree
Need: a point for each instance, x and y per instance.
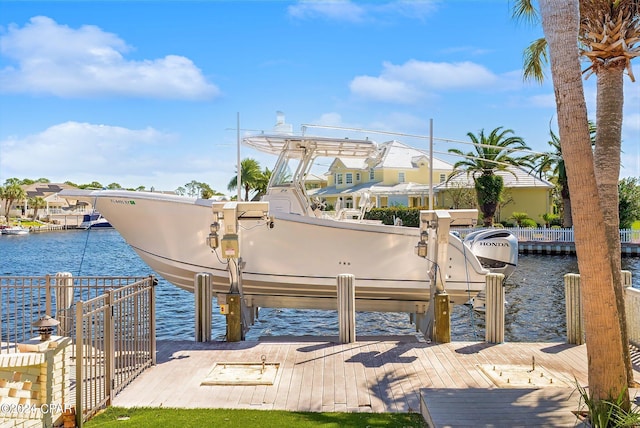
(250, 176)
(493, 152)
(10, 193)
(609, 37)
(608, 375)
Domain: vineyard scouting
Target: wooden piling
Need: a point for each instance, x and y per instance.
(494, 308)
(346, 308)
(234, 318)
(575, 327)
(203, 296)
(442, 327)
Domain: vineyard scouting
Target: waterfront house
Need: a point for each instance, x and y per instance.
(401, 178)
(523, 192)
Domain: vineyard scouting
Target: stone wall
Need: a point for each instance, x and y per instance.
(35, 383)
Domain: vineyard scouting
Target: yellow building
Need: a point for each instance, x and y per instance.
(401, 178)
(523, 193)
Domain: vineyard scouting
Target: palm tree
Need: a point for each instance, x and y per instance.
(493, 153)
(606, 340)
(36, 203)
(250, 176)
(10, 193)
(554, 163)
(263, 183)
(609, 36)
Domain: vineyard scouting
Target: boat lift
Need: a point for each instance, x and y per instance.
(231, 304)
(433, 245)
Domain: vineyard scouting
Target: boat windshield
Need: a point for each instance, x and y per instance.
(283, 175)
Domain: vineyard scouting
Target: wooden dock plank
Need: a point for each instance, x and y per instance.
(371, 388)
(271, 393)
(351, 394)
(286, 378)
(500, 407)
(317, 385)
(333, 379)
(383, 375)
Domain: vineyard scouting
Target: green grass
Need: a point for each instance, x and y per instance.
(161, 417)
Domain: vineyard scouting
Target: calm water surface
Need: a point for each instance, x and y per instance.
(535, 292)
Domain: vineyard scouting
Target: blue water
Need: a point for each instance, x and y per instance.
(535, 292)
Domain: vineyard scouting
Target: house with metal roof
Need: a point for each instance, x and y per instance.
(523, 192)
(402, 178)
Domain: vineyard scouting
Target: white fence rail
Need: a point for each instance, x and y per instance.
(543, 234)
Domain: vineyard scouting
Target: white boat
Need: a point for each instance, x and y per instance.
(94, 220)
(291, 259)
(15, 230)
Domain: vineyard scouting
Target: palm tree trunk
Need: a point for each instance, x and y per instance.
(610, 99)
(606, 367)
(567, 220)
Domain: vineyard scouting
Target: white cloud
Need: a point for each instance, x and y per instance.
(86, 152)
(632, 122)
(385, 89)
(348, 11)
(414, 80)
(88, 62)
(329, 119)
(543, 100)
(74, 147)
(340, 10)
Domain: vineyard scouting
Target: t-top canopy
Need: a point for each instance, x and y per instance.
(321, 146)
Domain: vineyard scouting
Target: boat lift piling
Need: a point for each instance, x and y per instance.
(434, 245)
(346, 308)
(231, 303)
(203, 296)
(64, 302)
(494, 304)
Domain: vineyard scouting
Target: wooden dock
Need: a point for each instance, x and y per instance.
(374, 374)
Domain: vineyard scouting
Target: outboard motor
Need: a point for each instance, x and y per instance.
(496, 249)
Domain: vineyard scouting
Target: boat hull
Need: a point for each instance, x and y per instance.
(15, 231)
(292, 264)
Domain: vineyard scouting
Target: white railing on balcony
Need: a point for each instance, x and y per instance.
(543, 234)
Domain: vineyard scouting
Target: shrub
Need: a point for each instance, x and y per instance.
(409, 216)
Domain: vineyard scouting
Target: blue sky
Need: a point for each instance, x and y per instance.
(147, 93)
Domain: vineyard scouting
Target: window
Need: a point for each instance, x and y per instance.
(338, 179)
(401, 177)
(349, 178)
(372, 174)
(357, 177)
(443, 178)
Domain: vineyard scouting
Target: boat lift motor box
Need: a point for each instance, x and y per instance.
(230, 246)
(231, 213)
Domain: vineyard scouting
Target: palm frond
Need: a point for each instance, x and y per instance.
(524, 10)
(535, 59)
